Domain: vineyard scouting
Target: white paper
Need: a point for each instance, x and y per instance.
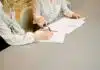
(57, 37)
(67, 25)
(64, 26)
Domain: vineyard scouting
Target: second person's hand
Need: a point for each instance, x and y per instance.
(75, 16)
(40, 21)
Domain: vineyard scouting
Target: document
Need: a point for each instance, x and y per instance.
(67, 25)
(64, 26)
(57, 37)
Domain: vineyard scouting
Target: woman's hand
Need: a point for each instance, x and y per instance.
(75, 16)
(43, 35)
(40, 21)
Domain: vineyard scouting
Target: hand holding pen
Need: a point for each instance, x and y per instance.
(41, 22)
(48, 28)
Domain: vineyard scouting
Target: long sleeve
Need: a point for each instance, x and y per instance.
(65, 9)
(11, 31)
(11, 23)
(15, 39)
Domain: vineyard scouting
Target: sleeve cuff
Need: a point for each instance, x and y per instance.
(69, 14)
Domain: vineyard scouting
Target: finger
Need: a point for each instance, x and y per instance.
(41, 20)
(50, 35)
(77, 16)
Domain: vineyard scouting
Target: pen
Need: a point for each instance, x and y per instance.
(52, 30)
(45, 25)
(49, 28)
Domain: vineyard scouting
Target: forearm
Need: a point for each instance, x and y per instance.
(65, 9)
(15, 39)
(36, 8)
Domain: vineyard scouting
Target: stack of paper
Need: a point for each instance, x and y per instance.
(64, 26)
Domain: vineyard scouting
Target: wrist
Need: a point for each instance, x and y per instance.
(70, 14)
